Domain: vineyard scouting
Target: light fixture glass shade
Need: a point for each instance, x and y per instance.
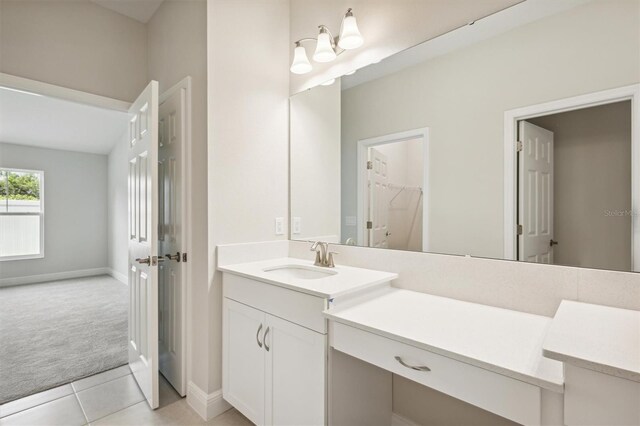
(324, 49)
(350, 37)
(300, 64)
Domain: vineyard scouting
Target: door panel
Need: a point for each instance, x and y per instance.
(296, 371)
(172, 137)
(243, 359)
(378, 199)
(143, 219)
(535, 194)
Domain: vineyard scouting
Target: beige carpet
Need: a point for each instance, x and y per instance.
(57, 332)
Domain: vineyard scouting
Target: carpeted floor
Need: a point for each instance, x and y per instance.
(57, 332)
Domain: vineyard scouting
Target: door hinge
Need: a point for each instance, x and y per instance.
(519, 146)
(369, 224)
(519, 229)
(184, 257)
(369, 165)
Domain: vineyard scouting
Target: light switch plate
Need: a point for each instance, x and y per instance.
(297, 225)
(279, 226)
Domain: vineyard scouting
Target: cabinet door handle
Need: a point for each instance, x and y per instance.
(265, 340)
(413, 367)
(258, 336)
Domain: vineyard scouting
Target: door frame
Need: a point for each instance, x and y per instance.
(59, 92)
(186, 209)
(604, 97)
(363, 146)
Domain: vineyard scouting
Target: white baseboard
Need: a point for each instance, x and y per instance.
(206, 405)
(118, 276)
(398, 420)
(32, 279)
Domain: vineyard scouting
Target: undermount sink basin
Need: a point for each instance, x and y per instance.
(299, 272)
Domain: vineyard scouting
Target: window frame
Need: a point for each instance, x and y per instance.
(39, 255)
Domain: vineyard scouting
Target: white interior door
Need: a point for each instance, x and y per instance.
(378, 200)
(143, 237)
(535, 212)
(171, 243)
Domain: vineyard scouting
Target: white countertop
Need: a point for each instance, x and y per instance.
(346, 280)
(596, 337)
(500, 340)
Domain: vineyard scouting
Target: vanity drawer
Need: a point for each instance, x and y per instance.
(299, 308)
(510, 398)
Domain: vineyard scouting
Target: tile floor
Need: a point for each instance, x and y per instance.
(109, 398)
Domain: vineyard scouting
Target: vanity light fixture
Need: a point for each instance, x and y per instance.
(301, 64)
(327, 45)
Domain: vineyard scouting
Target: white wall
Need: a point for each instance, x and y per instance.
(248, 88)
(462, 97)
(315, 162)
(118, 207)
(75, 202)
(388, 26)
(75, 44)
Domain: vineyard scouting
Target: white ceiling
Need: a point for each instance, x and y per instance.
(28, 119)
(140, 10)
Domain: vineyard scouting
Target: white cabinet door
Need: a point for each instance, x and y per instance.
(243, 379)
(295, 374)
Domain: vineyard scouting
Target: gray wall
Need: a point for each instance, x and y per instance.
(118, 208)
(75, 44)
(75, 200)
(592, 175)
(462, 97)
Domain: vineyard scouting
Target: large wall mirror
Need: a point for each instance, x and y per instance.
(515, 137)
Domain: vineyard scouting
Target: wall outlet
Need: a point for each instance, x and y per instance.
(297, 225)
(279, 226)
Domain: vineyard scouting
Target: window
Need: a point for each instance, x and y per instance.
(21, 214)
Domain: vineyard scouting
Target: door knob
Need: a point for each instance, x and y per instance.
(144, 260)
(553, 243)
(175, 257)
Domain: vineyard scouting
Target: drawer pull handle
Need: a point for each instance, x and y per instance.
(258, 336)
(413, 367)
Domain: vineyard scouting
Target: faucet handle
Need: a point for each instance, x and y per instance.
(330, 262)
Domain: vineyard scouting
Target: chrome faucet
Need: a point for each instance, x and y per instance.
(324, 257)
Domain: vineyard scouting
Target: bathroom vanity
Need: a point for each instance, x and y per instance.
(311, 345)
(600, 349)
(486, 356)
(275, 347)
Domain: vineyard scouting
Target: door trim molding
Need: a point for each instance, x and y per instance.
(46, 89)
(361, 158)
(186, 243)
(511, 118)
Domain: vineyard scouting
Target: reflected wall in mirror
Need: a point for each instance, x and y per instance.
(510, 138)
